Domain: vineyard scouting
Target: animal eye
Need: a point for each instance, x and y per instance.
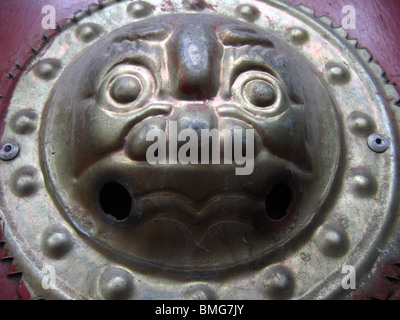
(125, 89)
(259, 93)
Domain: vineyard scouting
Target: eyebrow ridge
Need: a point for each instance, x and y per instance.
(154, 32)
(239, 37)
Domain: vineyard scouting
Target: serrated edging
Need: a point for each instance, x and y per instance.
(392, 94)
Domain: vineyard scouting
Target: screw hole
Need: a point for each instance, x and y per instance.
(115, 201)
(378, 143)
(278, 201)
(8, 151)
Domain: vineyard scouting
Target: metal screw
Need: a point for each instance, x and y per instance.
(378, 143)
(9, 151)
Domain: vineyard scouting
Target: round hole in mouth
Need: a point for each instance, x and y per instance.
(115, 201)
(278, 201)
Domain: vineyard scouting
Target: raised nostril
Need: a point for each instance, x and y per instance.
(194, 124)
(195, 117)
(137, 143)
(197, 125)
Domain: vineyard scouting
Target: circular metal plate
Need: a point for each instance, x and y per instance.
(321, 195)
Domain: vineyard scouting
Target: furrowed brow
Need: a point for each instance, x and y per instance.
(239, 37)
(153, 32)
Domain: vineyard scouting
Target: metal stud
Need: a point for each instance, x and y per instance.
(9, 150)
(337, 73)
(279, 283)
(247, 12)
(333, 241)
(363, 183)
(360, 124)
(139, 9)
(298, 36)
(378, 143)
(88, 32)
(47, 69)
(25, 181)
(56, 242)
(116, 284)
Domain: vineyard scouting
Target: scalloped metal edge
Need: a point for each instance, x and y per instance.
(14, 268)
(392, 94)
(391, 91)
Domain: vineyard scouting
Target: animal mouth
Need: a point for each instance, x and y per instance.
(131, 194)
(168, 224)
(119, 205)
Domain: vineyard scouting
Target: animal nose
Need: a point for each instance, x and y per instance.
(190, 120)
(196, 117)
(194, 59)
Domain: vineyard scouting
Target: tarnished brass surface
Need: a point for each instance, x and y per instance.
(194, 70)
(81, 195)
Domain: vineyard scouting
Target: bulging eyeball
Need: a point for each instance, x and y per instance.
(125, 89)
(260, 93)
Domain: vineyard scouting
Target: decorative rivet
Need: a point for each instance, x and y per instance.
(361, 124)
(9, 150)
(248, 12)
(139, 9)
(378, 143)
(337, 74)
(24, 121)
(333, 241)
(56, 242)
(363, 183)
(297, 35)
(25, 181)
(279, 283)
(88, 32)
(116, 284)
(47, 69)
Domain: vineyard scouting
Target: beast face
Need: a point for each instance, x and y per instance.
(198, 72)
